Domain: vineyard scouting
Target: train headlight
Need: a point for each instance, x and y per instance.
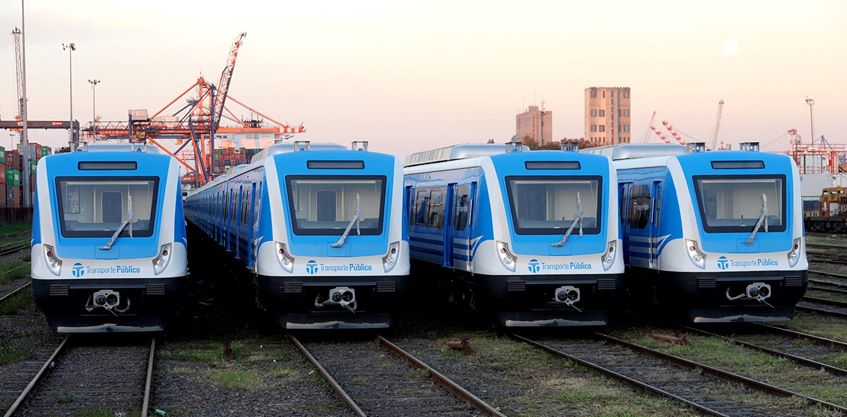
(608, 258)
(794, 253)
(53, 262)
(508, 259)
(284, 258)
(161, 261)
(694, 253)
(390, 259)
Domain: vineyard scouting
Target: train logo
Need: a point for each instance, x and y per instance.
(312, 267)
(78, 270)
(534, 266)
(723, 263)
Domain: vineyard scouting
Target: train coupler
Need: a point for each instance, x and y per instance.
(758, 291)
(569, 295)
(108, 300)
(342, 296)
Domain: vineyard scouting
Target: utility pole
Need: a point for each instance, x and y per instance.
(811, 104)
(717, 125)
(27, 196)
(71, 47)
(94, 107)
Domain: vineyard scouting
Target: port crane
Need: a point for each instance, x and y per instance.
(193, 123)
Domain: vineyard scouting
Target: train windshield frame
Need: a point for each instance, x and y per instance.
(98, 216)
(741, 201)
(310, 218)
(555, 216)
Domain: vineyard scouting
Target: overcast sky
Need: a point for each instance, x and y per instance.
(414, 75)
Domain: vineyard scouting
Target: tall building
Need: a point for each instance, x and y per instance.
(607, 115)
(536, 124)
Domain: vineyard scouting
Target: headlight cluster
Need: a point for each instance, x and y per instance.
(285, 259)
(794, 253)
(608, 258)
(161, 261)
(390, 258)
(53, 262)
(508, 259)
(695, 254)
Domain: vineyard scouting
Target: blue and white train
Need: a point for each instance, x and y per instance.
(108, 239)
(320, 228)
(530, 236)
(719, 235)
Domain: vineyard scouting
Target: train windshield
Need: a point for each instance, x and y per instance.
(325, 205)
(736, 203)
(97, 206)
(549, 205)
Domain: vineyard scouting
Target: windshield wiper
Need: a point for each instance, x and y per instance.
(577, 219)
(129, 221)
(355, 220)
(762, 220)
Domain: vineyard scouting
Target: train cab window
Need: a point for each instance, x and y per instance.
(462, 209)
(735, 203)
(325, 205)
(98, 206)
(549, 205)
(639, 206)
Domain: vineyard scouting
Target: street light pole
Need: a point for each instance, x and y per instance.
(71, 47)
(94, 107)
(811, 103)
(27, 200)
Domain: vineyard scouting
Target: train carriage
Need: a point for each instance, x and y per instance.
(108, 239)
(529, 236)
(319, 227)
(716, 235)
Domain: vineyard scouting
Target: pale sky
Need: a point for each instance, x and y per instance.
(410, 76)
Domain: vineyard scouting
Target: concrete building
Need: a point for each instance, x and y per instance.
(607, 119)
(536, 124)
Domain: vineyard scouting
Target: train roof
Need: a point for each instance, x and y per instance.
(639, 150)
(454, 152)
(279, 148)
(119, 147)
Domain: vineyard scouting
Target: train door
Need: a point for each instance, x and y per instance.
(460, 224)
(447, 228)
(237, 221)
(655, 241)
(251, 203)
(623, 194)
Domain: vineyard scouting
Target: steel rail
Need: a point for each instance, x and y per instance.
(829, 274)
(827, 287)
(328, 377)
(802, 335)
(721, 373)
(14, 249)
(630, 380)
(148, 380)
(819, 300)
(778, 353)
(821, 311)
(25, 393)
(441, 379)
(15, 291)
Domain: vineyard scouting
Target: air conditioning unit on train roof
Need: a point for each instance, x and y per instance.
(278, 148)
(638, 150)
(454, 152)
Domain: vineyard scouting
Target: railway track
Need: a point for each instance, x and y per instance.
(379, 379)
(79, 377)
(823, 306)
(13, 247)
(710, 390)
(13, 292)
(807, 352)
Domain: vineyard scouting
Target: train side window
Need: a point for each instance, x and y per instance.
(421, 206)
(462, 208)
(657, 204)
(639, 206)
(435, 216)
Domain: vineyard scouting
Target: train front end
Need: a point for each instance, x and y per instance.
(332, 251)
(108, 240)
(742, 255)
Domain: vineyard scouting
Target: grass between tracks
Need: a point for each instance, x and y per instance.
(26, 329)
(819, 324)
(761, 366)
(256, 364)
(13, 270)
(524, 381)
